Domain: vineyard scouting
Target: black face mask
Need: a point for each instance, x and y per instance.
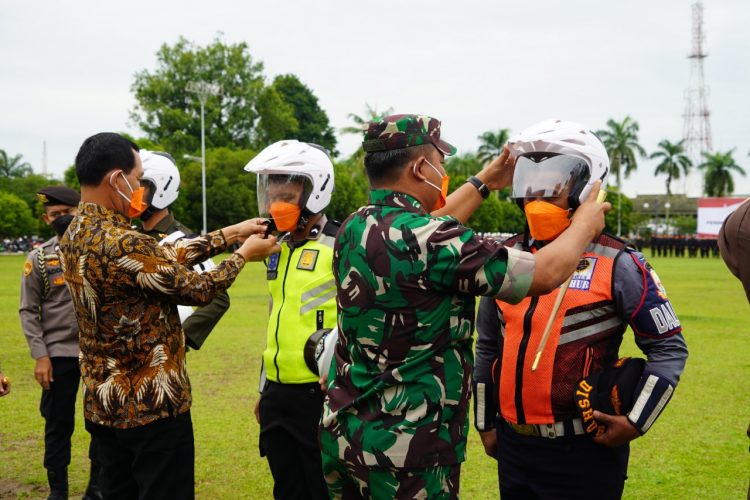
(61, 224)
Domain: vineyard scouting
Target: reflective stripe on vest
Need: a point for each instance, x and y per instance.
(583, 326)
(302, 301)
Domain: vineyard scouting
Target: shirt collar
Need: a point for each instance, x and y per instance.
(163, 225)
(392, 198)
(94, 210)
(317, 229)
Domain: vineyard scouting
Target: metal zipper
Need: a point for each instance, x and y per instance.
(520, 415)
(278, 315)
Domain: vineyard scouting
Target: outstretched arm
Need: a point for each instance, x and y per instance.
(496, 175)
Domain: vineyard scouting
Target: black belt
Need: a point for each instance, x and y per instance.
(572, 427)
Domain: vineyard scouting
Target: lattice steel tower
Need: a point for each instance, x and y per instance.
(697, 126)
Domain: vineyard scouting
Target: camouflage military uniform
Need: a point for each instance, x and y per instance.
(397, 400)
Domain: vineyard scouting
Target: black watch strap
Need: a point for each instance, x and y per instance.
(481, 187)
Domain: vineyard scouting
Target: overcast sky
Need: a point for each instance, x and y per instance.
(67, 67)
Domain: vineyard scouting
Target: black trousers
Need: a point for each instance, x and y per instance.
(289, 420)
(573, 467)
(154, 461)
(58, 407)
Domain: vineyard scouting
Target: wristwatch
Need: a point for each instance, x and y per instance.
(481, 187)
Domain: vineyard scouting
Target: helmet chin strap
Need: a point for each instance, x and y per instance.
(304, 218)
(150, 210)
(301, 223)
(148, 213)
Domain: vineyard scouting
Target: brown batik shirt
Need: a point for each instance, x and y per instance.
(125, 289)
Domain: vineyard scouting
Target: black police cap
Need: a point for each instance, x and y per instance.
(58, 195)
(610, 391)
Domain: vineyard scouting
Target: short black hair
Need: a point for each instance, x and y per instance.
(102, 153)
(384, 165)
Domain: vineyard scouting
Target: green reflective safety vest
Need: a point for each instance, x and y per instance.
(303, 300)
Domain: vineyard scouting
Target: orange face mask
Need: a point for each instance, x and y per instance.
(546, 221)
(285, 215)
(136, 204)
(444, 181)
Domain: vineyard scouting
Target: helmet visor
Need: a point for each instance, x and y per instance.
(282, 188)
(549, 175)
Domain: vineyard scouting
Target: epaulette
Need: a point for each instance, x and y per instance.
(610, 240)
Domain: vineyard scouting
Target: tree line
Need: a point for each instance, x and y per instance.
(251, 111)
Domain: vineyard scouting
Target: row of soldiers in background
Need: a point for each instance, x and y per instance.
(679, 246)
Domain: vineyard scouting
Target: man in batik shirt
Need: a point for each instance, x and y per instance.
(125, 289)
(395, 417)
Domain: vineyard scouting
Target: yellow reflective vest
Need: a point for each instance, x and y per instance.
(303, 300)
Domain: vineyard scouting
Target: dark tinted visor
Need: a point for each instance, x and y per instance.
(549, 175)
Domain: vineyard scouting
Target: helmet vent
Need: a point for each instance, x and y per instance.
(577, 142)
(328, 178)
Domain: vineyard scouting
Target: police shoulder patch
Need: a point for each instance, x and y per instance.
(655, 316)
(272, 271)
(27, 268)
(307, 259)
(660, 290)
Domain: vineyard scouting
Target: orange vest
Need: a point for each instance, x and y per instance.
(585, 335)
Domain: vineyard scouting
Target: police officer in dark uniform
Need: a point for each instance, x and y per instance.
(528, 418)
(49, 323)
(162, 182)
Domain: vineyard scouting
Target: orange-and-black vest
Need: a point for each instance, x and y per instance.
(585, 336)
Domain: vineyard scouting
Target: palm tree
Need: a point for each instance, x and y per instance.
(492, 144)
(371, 114)
(673, 163)
(718, 169)
(621, 141)
(13, 167)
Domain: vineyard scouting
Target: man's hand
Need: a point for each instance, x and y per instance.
(243, 230)
(256, 410)
(323, 383)
(499, 172)
(43, 372)
(489, 440)
(619, 430)
(591, 212)
(4, 385)
(256, 248)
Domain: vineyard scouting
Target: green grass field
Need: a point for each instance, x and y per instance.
(697, 449)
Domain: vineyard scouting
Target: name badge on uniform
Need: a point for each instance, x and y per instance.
(307, 260)
(273, 267)
(581, 279)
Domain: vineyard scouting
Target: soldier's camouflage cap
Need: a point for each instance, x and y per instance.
(404, 131)
(58, 195)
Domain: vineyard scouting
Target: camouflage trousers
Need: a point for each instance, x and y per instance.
(348, 481)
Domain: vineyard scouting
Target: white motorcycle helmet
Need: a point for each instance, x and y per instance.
(319, 349)
(294, 162)
(557, 158)
(160, 170)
